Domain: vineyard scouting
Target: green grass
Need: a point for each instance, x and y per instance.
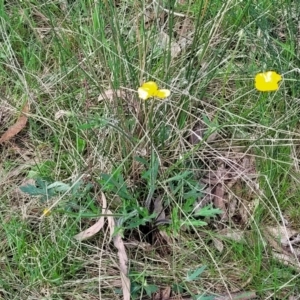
(60, 56)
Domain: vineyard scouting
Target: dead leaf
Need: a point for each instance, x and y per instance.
(118, 242)
(218, 244)
(62, 113)
(199, 131)
(283, 239)
(164, 43)
(111, 224)
(17, 127)
(91, 231)
(162, 294)
(219, 201)
(286, 260)
(231, 184)
(197, 134)
(281, 233)
(233, 234)
(184, 29)
(123, 259)
(175, 49)
(166, 293)
(158, 209)
(111, 94)
(219, 191)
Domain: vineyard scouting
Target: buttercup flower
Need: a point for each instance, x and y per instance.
(267, 81)
(46, 212)
(150, 89)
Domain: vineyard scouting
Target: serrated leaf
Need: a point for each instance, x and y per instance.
(59, 186)
(32, 190)
(193, 275)
(208, 211)
(150, 289)
(179, 177)
(77, 186)
(39, 189)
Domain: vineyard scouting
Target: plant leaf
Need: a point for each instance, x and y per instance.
(17, 127)
(123, 259)
(193, 275)
(59, 186)
(208, 211)
(150, 289)
(32, 190)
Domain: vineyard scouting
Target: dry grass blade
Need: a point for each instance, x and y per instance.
(123, 259)
(17, 127)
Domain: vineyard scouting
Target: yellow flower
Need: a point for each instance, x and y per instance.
(150, 89)
(267, 81)
(46, 212)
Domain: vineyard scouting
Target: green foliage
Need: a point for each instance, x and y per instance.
(193, 275)
(140, 286)
(208, 211)
(115, 183)
(132, 211)
(78, 202)
(41, 188)
(35, 256)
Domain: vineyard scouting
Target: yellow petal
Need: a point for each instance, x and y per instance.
(150, 89)
(151, 86)
(143, 93)
(162, 94)
(267, 81)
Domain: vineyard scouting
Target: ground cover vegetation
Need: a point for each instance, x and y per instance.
(149, 149)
